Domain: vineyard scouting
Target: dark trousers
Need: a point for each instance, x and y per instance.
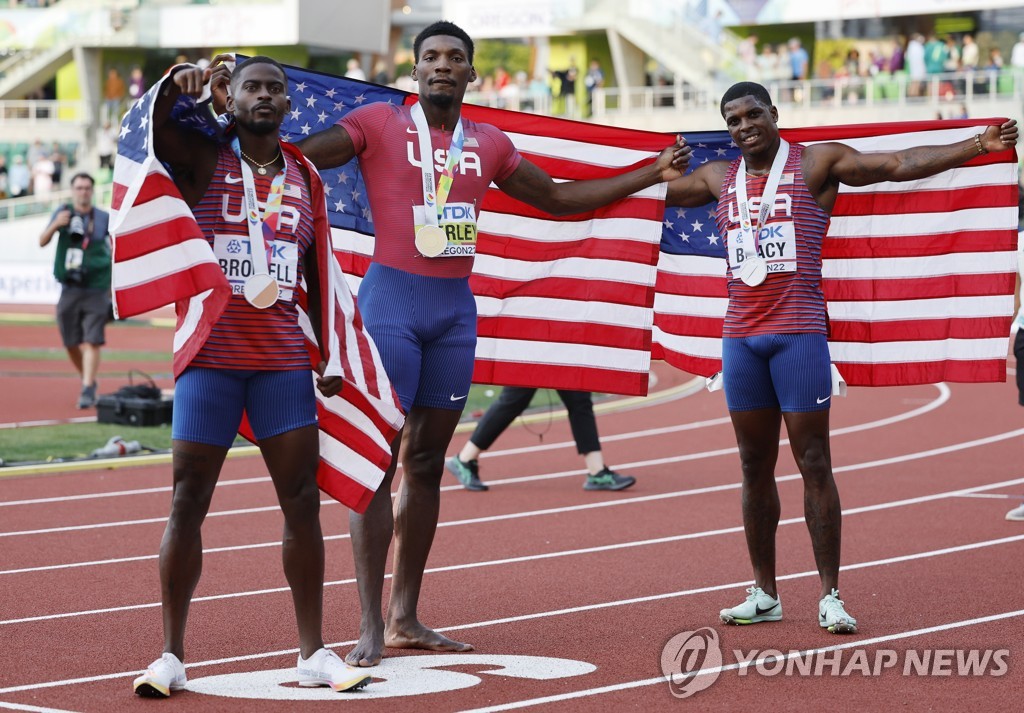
(513, 400)
(1018, 353)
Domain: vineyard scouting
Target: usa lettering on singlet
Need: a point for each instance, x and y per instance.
(386, 142)
(246, 337)
(790, 300)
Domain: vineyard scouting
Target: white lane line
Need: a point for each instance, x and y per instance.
(604, 503)
(856, 644)
(529, 558)
(544, 615)
(35, 709)
(942, 398)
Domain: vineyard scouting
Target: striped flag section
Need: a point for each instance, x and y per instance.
(918, 276)
(162, 257)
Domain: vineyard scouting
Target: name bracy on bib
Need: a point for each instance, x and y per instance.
(454, 236)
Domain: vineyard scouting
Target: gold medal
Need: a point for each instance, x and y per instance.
(260, 291)
(431, 240)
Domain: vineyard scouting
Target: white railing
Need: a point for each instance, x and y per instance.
(941, 91)
(42, 110)
(516, 101)
(28, 206)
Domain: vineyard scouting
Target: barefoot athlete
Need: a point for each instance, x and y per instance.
(416, 301)
(774, 204)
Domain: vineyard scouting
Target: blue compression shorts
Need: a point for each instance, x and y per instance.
(425, 330)
(789, 372)
(208, 403)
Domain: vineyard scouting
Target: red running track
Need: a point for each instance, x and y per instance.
(569, 596)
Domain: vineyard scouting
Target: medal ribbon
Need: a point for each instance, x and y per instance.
(767, 197)
(261, 231)
(435, 199)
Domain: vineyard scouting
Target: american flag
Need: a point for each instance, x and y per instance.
(562, 302)
(918, 276)
(162, 257)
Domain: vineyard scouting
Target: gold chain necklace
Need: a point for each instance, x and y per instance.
(261, 168)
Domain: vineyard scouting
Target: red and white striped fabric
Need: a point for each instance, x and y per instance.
(562, 301)
(161, 256)
(918, 276)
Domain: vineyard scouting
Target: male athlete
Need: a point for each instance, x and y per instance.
(256, 191)
(415, 297)
(775, 359)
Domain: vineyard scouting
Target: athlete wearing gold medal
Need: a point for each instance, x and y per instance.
(416, 302)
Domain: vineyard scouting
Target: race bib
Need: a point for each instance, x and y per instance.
(776, 244)
(235, 260)
(459, 224)
(73, 258)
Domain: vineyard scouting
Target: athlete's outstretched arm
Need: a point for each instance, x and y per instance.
(531, 184)
(849, 166)
(329, 148)
(701, 186)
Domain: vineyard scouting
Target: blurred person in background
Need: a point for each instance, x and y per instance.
(1017, 53)
(354, 71)
(114, 91)
(106, 145)
(3, 175)
(42, 176)
(916, 68)
(18, 177)
(136, 84)
(81, 265)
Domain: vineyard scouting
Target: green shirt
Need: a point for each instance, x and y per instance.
(95, 258)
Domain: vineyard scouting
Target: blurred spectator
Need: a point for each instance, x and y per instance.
(380, 72)
(42, 177)
(3, 175)
(783, 70)
(995, 59)
(593, 80)
(1017, 54)
(852, 63)
(35, 152)
(952, 63)
(915, 64)
(538, 92)
(798, 59)
(567, 85)
(969, 58)
(354, 71)
(18, 177)
(934, 55)
(747, 51)
(59, 159)
(896, 59)
(767, 63)
(113, 94)
(106, 145)
(136, 84)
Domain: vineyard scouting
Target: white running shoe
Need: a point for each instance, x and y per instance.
(1017, 514)
(325, 668)
(758, 607)
(164, 675)
(833, 617)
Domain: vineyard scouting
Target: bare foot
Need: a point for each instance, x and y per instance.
(369, 649)
(417, 636)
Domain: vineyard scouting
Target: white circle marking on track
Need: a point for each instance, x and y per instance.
(401, 676)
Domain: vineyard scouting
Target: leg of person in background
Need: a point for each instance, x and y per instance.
(580, 405)
(1017, 514)
(90, 355)
(512, 401)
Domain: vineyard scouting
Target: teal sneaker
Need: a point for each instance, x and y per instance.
(608, 479)
(832, 615)
(467, 473)
(757, 607)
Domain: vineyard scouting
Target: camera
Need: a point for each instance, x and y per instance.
(74, 267)
(76, 229)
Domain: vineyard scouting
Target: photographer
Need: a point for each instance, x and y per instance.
(82, 266)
